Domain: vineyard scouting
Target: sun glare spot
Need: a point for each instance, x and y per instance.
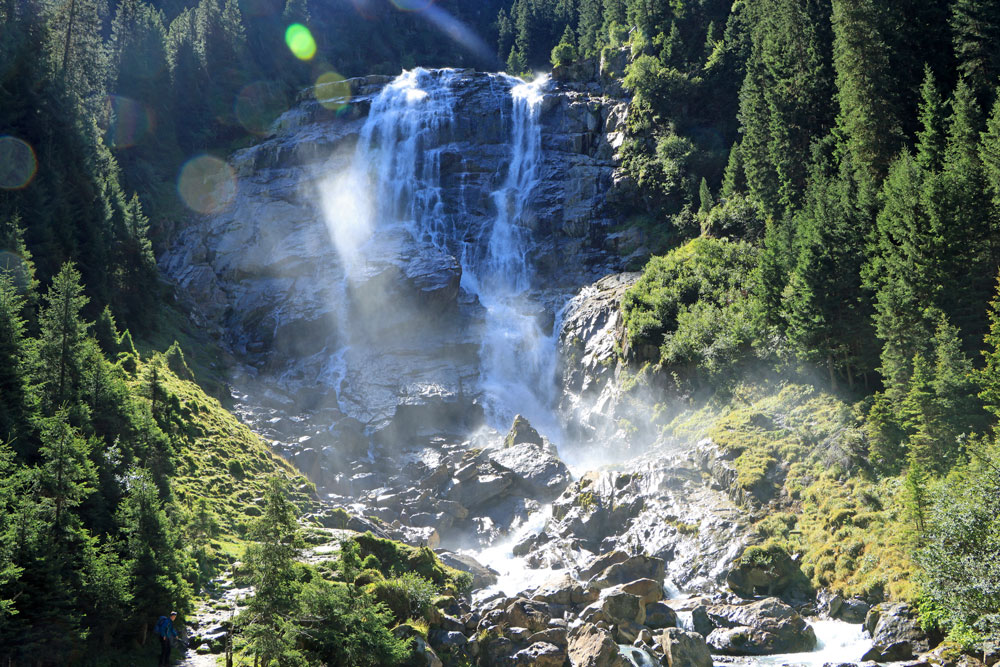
(207, 184)
(300, 41)
(332, 91)
(17, 163)
(347, 209)
(259, 104)
(128, 121)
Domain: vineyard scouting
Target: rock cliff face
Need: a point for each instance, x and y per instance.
(399, 345)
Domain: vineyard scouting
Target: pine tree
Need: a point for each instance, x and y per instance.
(989, 376)
(867, 121)
(14, 407)
(989, 156)
(67, 474)
(590, 27)
(733, 179)
(62, 335)
(705, 197)
(932, 135)
(975, 28)
(785, 101)
(505, 37)
(106, 333)
(270, 560)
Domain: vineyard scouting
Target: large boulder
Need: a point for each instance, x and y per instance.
(660, 616)
(629, 570)
(537, 473)
(619, 607)
(482, 576)
(761, 628)
(684, 649)
(530, 614)
(765, 571)
(890, 623)
(522, 432)
(539, 654)
(565, 590)
(474, 492)
(591, 646)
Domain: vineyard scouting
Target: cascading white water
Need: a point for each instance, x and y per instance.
(394, 181)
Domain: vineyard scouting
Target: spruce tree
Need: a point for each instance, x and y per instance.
(733, 179)
(975, 26)
(63, 332)
(867, 121)
(14, 407)
(589, 29)
(931, 137)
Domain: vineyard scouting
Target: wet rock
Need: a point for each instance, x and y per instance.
(620, 606)
(889, 623)
(684, 649)
(482, 576)
(852, 610)
(603, 562)
(421, 648)
(765, 571)
(474, 492)
(540, 654)
(565, 590)
(521, 432)
(529, 614)
(591, 646)
(648, 590)
(763, 627)
(660, 616)
(894, 652)
(537, 473)
(627, 632)
(555, 636)
(631, 569)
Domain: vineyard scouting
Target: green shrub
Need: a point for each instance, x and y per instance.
(407, 595)
(563, 54)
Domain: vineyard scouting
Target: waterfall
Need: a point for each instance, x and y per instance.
(394, 184)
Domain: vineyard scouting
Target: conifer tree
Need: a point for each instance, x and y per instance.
(975, 28)
(867, 121)
(989, 376)
(67, 474)
(733, 179)
(932, 135)
(14, 408)
(270, 559)
(106, 333)
(62, 335)
(705, 197)
(590, 28)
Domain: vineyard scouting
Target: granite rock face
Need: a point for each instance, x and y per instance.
(266, 276)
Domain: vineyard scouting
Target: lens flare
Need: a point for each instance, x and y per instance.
(128, 121)
(207, 184)
(259, 104)
(17, 163)
(332, 91)
(13, 265)
(412, 5)
(300, 41)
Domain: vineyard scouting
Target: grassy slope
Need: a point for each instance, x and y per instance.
(848, 527)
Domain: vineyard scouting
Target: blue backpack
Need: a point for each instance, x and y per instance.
(161, 626)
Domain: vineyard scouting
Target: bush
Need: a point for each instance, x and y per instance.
(692, 305)
(563, 54)
(408, 595)
(347, 628)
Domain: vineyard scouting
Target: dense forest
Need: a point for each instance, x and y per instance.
(819, 181)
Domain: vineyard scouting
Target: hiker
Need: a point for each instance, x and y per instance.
(165, 629)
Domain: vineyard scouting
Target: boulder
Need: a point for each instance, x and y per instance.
(893, 652)
(591, 646)
(482, 576)
(530, 614)
(629, 570)
(537, 474)
(540, 654)
(852, 610)
(521, 431)
(765, 571)
(477, 490)
(660, 616)
(647, 589)
(684, 649)
(620, 606)
(603, 562)
(565, 590)
(761, 628)
(889, 623)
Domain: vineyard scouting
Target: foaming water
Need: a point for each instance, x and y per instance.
(514, 574)
(836, 641)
